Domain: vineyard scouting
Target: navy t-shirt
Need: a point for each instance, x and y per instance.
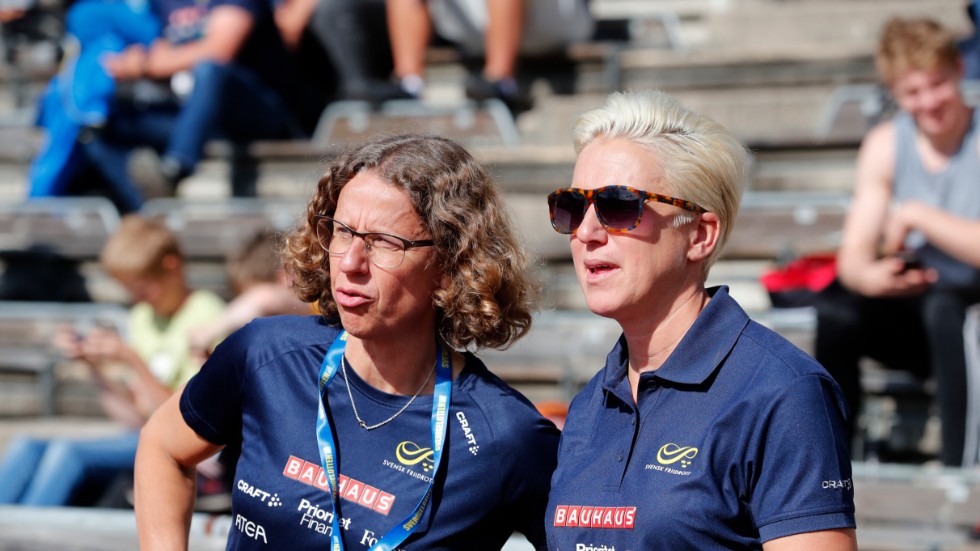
(263, 51)
(737, 439)
(260, 386)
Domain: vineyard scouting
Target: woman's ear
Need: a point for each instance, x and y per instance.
(704, 237)
(444, 282)
(171, 262)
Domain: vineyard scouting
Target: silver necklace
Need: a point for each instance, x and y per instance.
(365, 426)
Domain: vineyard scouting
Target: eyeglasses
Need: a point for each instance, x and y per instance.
(619, 208)
(384, 250)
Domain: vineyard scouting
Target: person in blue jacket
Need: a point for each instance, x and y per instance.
(228, 76)
(369, 426)
(704, 430)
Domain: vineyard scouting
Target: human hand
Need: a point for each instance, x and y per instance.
(102, 345)
(894, 276)
(160, 59)
(200, 341)
(129, 64)
(67, 341)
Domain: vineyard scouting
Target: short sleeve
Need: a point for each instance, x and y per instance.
(211, 403)
(800, 465)
(535, 458)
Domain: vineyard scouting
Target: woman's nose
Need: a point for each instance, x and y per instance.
(591, 229)
(356, 259)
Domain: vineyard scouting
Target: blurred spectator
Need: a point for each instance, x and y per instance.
(81, 96)
(500, 30)
(908, 261)
(134, 377)
(354, 36)
(227, 64)
(261, 288)
(225, 73)
(970, 46)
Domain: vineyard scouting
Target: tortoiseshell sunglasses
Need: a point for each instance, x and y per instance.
(619, 208)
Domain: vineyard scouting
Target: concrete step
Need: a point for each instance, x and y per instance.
(523, 169)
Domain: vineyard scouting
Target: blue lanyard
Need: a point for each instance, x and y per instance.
(327, 447)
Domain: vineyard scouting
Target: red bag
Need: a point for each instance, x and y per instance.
(800, 281)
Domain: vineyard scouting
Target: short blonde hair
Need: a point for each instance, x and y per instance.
(487, 293)
(914, 44)
(701, 161)
(138, 248)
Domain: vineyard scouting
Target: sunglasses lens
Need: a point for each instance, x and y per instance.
(567, 210)
(618, 208)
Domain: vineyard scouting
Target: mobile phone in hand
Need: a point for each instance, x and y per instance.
(910, 260)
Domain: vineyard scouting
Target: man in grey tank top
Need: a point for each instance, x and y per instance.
(908, 263)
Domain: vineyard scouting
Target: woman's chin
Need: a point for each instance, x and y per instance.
(602, 308)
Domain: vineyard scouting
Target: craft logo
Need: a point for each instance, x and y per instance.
(349, 489)
(468, 432)
(587, 516)
(272, 500)
(845, 484)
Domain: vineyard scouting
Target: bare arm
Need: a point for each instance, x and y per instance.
(956, 236)
(859, 266)
(165, 478)
(8, 15)
(826, 540)
(226, 31)
(130, 403)
(259, 300)
(292, 17)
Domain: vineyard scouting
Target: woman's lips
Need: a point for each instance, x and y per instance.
(349, 298)
(595, 270)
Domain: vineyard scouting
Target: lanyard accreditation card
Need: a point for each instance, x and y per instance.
(327, 445)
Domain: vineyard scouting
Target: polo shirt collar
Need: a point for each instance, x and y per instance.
(704, 347)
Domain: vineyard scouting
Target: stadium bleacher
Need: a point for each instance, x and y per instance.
(793, 78)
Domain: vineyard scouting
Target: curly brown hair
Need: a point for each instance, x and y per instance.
(488, 292)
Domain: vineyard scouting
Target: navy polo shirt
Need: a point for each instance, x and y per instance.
(260, 388)
(737, 439)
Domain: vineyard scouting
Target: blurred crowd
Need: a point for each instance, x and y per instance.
(145, 84)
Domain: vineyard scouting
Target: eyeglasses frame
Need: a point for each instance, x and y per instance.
(645, 196)
(408, 243)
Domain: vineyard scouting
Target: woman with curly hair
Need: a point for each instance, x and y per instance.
(371, 425)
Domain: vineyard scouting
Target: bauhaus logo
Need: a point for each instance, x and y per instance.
(587, 516)
(350, 489)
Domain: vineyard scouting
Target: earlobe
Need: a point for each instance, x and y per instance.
(171, 262)
(704, 237)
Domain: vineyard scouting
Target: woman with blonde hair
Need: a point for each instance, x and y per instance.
(715, 432)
